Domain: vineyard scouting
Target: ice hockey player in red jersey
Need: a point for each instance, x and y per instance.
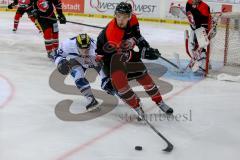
(115, 48)
(44, 13)
(24, 6)
(199, 16)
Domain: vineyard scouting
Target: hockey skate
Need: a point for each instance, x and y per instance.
(93, 104)
(14, 30)
(165, 108)
(51, 56)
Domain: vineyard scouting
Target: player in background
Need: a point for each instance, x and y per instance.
(24, 6)
(119, 38)
(76, 55)
(44, 12)
(199, 16)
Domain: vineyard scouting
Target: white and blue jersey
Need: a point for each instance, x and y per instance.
(68, 49)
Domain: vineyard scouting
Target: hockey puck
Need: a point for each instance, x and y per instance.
(138, 148)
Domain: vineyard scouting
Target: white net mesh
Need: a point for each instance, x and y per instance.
(225, 46)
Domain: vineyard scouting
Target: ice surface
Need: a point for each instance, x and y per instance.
(30, 128)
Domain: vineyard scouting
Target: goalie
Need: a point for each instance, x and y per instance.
(198, 14)
(75, 56)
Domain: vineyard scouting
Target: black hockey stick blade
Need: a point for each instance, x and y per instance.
(169, 145)
(169, 148)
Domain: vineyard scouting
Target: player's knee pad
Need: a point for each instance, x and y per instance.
(74, 63)
(82, 83)
(77, 72)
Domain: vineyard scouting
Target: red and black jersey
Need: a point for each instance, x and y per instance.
(46, 7)
(198, 15)
(23, 4)
(112, 37)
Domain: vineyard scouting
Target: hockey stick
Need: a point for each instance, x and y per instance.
(84, 24)
(166, 60)
(169, 147)
(78, 23)
(174, 65)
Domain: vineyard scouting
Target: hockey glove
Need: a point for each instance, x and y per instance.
(10, 6)
(35, 13)
(64, 67)
(150, 53)
(142, 43)
(62, 19)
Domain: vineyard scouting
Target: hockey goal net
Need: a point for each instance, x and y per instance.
(224, 48)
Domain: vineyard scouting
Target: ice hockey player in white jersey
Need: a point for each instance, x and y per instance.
(75, 56)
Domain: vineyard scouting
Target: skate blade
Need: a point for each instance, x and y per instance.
(94, 109)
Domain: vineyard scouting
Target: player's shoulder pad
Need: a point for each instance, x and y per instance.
(134, 20)
(69, 41)
(111, 24)
(189, 1)
(68, 44)
(110, 27)
(204, 9)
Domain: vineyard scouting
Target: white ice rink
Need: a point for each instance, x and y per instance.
(31, 129)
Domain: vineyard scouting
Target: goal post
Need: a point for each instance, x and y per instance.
(223, 54)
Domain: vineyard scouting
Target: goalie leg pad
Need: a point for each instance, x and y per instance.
(192, 43)
(186, 36)
(202, 37)
(200, 64)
